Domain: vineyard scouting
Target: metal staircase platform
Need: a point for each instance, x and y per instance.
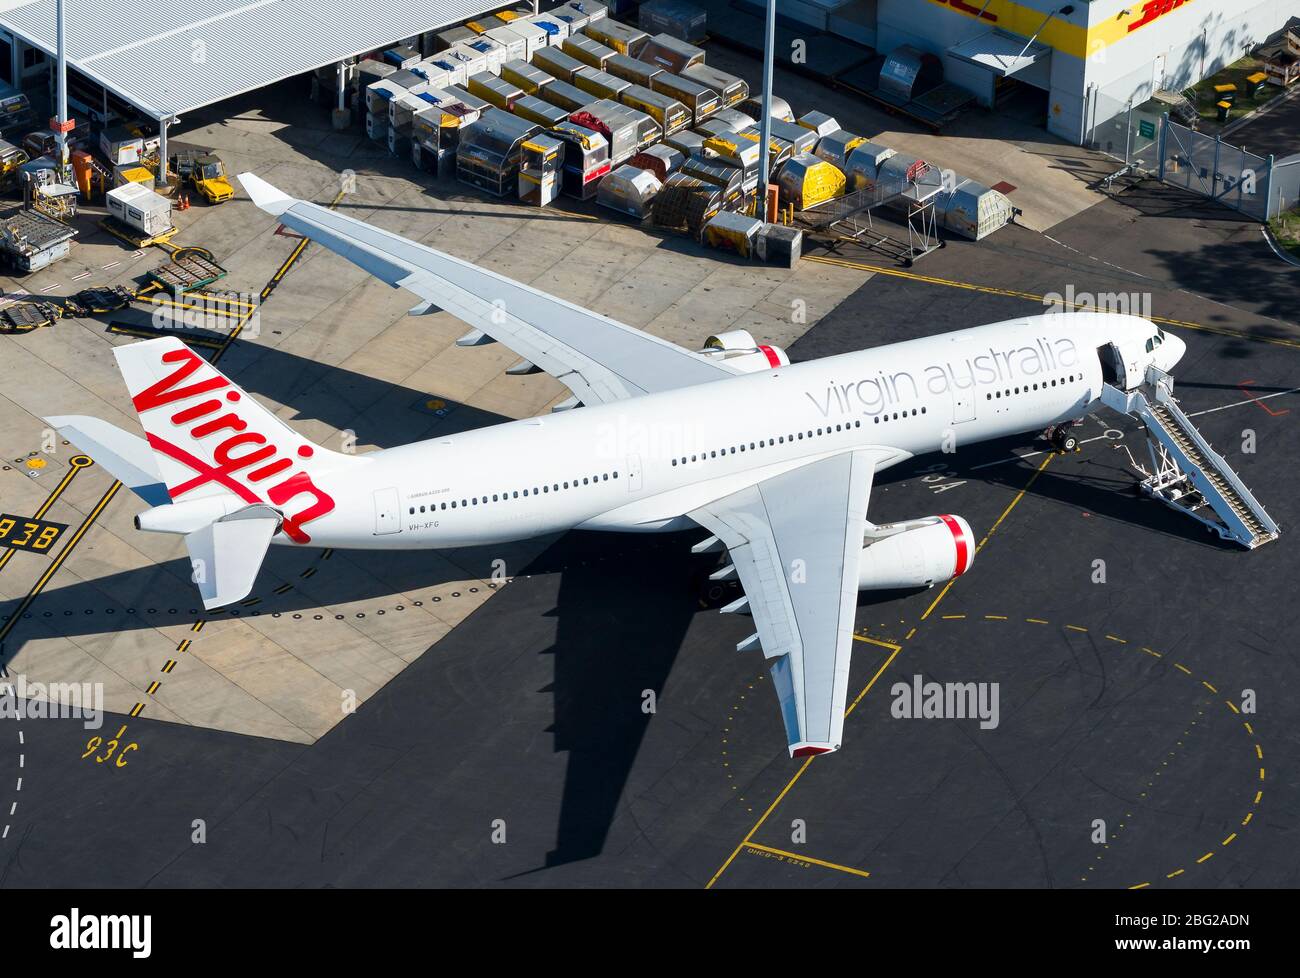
(1186, 473)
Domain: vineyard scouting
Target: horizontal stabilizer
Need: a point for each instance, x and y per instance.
(226, 555)
(127, 457)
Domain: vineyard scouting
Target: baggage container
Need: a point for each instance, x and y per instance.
(378, 95)
(738, 121)
(899, 172)
(494, 89)
(540, 167)
(489, 151)
(671, 115)
(622, 38)
(451, 37)
(685, 203)
(575, 20)
(803, 140)
(473, 59)
(778, 150)
(481, 25)
(586, 159)
(672, 54)
(437, 128)
(566, 96)
(715, 127)
(661, 160)
(377, 127)
(728, 231)
(617, 124)
(819, 122)
(370, 71)
(973, 210)
(587, 50)
(736, 151)
(689, 143)
(521, 74)
(402, 56)
(494, 52)
(556, 30)
(676, 17)
(406, 77)
(599, 83)
(453, 70)
(629, 190)
(753, 106)
(140, 209)
(777, 244)
(806, 181)
(864, 162)
(399, 141)
(535, 110)
(433, 76)
(632, 70)
(701, 101)
(730, 89)
(727, 178)
(402, 107)
(557, 64)
(469, 99)
(836, 147)
(534, 37)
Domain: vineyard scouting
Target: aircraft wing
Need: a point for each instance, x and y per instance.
(795, 540)
(598, 358)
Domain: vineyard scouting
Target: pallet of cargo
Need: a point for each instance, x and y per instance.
(31, 240)
(97, 301)
(23, 317)
(189, 268)
(132, 236)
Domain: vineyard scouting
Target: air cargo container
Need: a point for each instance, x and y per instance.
(836, 147)
(494, 89)
(453, 69)
(378, 95)
(622, 38)
(734, 150)
(541, 165)
(599, 83)
(451, 37)
(586, 159)
(665, 110)
(701, 101)
(629, 190)
(731, 90)
(622, 127)
(511, 40)
(401, 56)
(753, 106)
(819, 122)
(557, 64)
(535, 110)
(489, 151)
(973, 210)
(688, 142)
(806, 181)
(534, 37)
(676, 17)
(566, 96)
(473, 59)
(632, 70)
(469, 98)
(661, 160)
(556, 30)
(140, 209)
(686, 203)
(777, 244)
(864, 163)
(587, 50)
(733, 232)
(481, 25)
(672, 54)
(727, 178)
(493, 52)
(528, 77)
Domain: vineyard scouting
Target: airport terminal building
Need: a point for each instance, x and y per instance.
(1083, 60)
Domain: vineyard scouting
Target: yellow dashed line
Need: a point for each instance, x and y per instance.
(1140, 886)
(1208, 855)
(1261, 774)
(1121, 641)
(1176, 872)
(995, 617)
(1208, 686)
(1246, 820)
(953, 617)
(198, 625)
(1152, 652)
(910, 634)
(153, 688)
(1258, 796)
(1179, 665)
(1076, 628)
(1249, 729)
(1229, 839)
(169, 665)
(1232, 706)
(135, 710)
(1259, 752)
(1037, 621)
(183, 646)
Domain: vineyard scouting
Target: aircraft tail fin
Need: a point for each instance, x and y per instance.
(212, 442)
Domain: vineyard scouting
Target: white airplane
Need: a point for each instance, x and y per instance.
(775, 460)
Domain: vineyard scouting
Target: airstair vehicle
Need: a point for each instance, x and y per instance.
(1186, 473)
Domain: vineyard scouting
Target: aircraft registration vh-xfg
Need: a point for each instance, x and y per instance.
(775, 460)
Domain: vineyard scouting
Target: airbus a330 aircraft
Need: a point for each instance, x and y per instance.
(775, 460)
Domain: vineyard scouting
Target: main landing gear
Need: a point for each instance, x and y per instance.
(1062, 436)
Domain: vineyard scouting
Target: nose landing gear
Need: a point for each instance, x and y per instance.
(1062, 437)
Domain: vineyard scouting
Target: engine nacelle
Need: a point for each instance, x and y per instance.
(738, 348)
(917, 553)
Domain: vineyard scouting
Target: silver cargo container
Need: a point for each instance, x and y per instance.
(587, 50)
(672, 54)
(973, 210)
(819, 122)
(599, 83)
(528, 77)
(671, 115)
(557, 64)
(731, 90)
(629, 190)
(494, 89)
(702, 101)
(836, 147)
(632, 70)
(622, 38)
(586, 159)
(566, 96)
(864, 162)
(533, 109)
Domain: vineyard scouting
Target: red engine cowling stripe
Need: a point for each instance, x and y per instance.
(963, 546)
(772, 359)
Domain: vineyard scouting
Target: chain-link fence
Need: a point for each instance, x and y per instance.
(1208, 166)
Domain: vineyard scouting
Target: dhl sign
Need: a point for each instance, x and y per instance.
(1058, 33)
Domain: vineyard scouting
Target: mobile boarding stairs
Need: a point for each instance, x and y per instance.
(1186, 473)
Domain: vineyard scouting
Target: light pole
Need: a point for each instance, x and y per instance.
(765, 127)
(60, 123)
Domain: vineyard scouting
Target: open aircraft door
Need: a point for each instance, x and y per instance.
(387, 512)
(1122, 365)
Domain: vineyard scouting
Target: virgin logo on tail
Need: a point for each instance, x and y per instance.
(235, 456)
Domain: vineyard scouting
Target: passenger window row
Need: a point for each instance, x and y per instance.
(1026, 389)
(766, 443)
(515, 494)
(896, 415)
